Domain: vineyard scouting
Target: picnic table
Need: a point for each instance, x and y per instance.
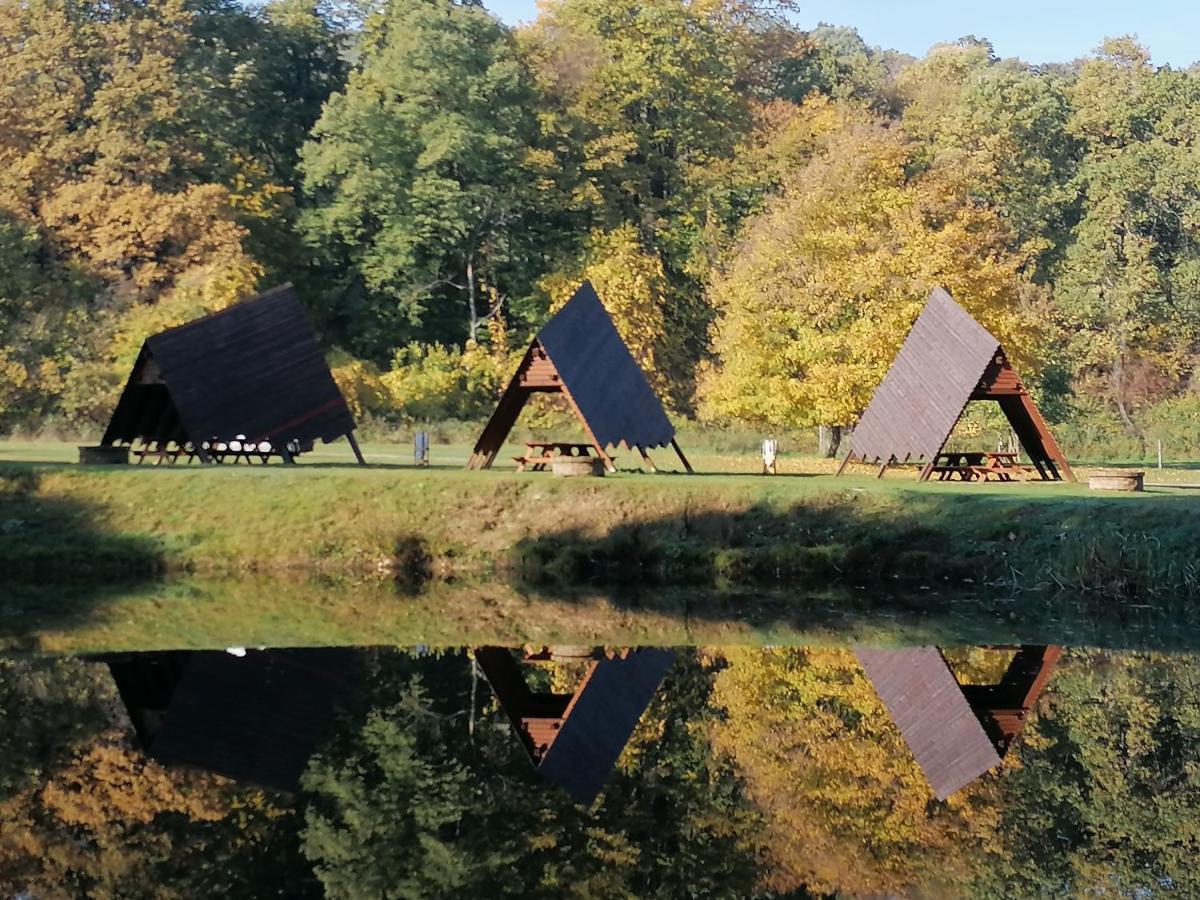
(218, 451)
(971, 465)
(539, 454)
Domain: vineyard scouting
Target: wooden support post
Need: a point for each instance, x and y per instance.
(646, 457)
(609, 465)
(354, 446)
(683, 459)
(883, 467)
(926, 471)
(842, 467)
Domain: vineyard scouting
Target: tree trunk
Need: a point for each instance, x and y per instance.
(473, 320)
(829, 439)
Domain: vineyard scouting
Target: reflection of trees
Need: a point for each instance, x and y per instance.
(83, 813)
(1104, 798)
(412, 804)
(847, 808)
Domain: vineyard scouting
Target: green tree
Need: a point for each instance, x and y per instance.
(1129, 286)
(1002, 127)
(418, 176)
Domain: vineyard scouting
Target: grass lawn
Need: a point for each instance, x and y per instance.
(341, 553)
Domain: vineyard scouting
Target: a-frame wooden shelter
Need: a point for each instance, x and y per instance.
(956, 732)
(579, 354)
(947, 361)
(246, 382)
(574, 740)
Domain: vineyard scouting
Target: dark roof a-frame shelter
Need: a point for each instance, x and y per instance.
(257, 719)
(956, 732)
(574, 740)
(947, 361)
(254, 369)
(579, 354)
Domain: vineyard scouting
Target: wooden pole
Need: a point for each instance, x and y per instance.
(354, 446)
(646, 457)
(683, 459)
(842, 467)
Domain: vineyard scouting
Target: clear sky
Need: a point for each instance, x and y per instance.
(1038, 32)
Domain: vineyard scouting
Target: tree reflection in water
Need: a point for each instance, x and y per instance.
(768, 772)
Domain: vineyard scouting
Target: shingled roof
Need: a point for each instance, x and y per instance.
(257, 719)
(254, 369)
(580, 354)
(947, 360)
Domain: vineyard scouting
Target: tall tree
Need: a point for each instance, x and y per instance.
(828, 280)
(419, 180)
(1130, 283)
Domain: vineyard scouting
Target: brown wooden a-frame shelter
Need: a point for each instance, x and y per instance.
(579, 354)
(947, 361)
(574, 740)
(249, 376)
(956, 732)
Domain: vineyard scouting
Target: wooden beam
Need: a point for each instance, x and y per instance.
(845, 462)
(683, 459)
(496, 432)
(646, 456)
(1053, 451)
(354, 446)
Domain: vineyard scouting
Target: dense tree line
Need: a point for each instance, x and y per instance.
(763, 208)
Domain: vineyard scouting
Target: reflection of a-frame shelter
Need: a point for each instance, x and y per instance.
(574, 740)
(947, 361)
(258, 718)
(580, 355)
(956, 732)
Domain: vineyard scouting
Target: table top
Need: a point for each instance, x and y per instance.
(532, 444)
(979, 455)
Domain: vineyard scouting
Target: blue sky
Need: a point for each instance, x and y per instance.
(1046, 31)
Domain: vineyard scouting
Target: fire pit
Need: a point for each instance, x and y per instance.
(1116, 480)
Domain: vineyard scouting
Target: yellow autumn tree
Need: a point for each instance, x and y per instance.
(848, 811)
(633, 287)
(829, 278)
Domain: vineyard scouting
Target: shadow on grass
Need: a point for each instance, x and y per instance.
(958, 567)
(57, 562)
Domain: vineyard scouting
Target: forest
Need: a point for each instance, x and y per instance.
(763, 209)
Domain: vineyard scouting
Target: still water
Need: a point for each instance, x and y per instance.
(581, 771)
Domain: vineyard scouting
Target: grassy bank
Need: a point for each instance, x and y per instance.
(62, 521)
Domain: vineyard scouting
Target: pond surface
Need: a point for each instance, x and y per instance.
(602, 770)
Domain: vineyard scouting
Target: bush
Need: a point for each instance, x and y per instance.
(431, 382)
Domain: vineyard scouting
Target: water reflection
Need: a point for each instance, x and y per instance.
(735, 772)
(956, 732)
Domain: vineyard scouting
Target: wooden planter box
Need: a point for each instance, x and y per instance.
(567, 466)
(103, 456)
(1117, 480)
